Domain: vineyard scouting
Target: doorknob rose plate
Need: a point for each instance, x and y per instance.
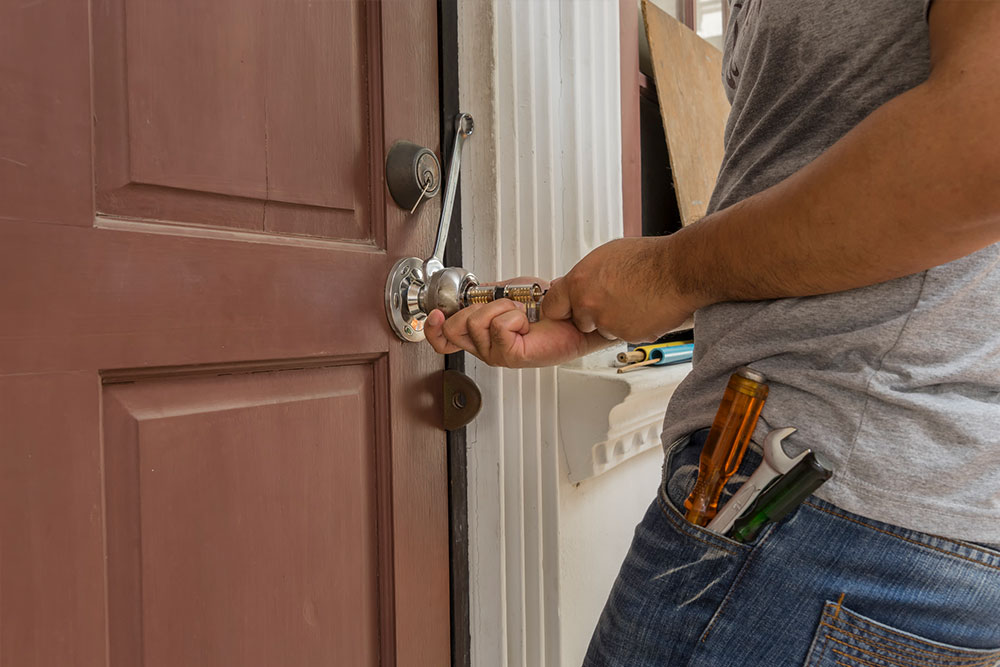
(402, 307)
(412, 174)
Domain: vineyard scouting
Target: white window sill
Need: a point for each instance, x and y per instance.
(606, 417)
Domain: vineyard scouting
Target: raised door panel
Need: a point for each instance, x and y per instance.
(276, 135)
(243, 517)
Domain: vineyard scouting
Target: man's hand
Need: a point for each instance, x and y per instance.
(623, 289)
(499, 333)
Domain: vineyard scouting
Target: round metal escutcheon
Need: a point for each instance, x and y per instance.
(412, 174)
(408, 326)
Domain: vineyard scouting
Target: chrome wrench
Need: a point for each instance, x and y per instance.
(775, 463)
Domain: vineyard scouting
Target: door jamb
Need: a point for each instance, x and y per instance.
(458, 507)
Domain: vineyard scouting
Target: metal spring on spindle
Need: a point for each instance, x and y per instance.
(478, 294)
(530, 295)
(526, 294)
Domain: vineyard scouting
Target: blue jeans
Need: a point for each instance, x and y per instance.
(822, 588)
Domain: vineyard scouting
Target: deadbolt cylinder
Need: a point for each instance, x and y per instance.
(412, 173)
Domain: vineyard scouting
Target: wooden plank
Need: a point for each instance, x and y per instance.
(45, 93)
(110, 299)
(628, 13)
(419, 457)
(51, 531)
(693, 106)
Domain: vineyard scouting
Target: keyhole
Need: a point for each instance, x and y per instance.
(428, 181)
(458, 400)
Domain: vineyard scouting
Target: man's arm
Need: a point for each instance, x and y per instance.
(914, 185)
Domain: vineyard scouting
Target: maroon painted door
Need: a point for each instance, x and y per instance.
(213, 450)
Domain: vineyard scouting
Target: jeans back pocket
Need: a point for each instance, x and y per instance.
(847, 639)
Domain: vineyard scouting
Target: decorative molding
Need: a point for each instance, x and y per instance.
(606, 418)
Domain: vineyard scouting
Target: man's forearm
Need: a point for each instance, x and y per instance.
(915, 185)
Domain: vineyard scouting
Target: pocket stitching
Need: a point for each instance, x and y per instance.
(906, 661)
(856, 659)
(987, 653)
(826, 647)
(962, 657)
(873, 633)
(684, 529)
(900, 537)
(969, 660)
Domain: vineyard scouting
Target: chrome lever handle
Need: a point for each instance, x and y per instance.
(463, 130)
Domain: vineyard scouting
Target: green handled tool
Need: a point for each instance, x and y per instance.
(785, 494)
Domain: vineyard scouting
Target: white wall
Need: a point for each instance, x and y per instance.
(598, 517)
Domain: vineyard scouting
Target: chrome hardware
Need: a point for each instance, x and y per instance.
(463, 130)
(415, 287)
(530, 295)
(412, 174)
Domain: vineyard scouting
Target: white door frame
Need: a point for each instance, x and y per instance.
(541, 187)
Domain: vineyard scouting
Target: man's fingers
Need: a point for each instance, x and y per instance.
(584, 323)
(456, 330)
(504, 330)
(435, 335)
(481, 317)
(556, 304)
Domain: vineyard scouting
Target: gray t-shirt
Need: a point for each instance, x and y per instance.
(897, 383)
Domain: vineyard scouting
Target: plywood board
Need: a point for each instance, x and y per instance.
(693, 106)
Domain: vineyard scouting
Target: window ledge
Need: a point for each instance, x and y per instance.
(606, 417)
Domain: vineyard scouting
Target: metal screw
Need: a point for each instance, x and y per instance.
(408, 330)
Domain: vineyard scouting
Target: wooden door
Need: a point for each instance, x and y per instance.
(213, 450)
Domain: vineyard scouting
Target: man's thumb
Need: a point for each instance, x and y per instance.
(556, 305)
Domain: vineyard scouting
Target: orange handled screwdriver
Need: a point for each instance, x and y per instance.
(727, 442)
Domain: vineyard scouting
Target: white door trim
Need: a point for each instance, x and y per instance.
(541, 187)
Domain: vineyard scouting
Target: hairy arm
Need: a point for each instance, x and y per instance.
(915, 185)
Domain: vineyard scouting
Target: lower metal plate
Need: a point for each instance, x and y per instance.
(409, 326)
